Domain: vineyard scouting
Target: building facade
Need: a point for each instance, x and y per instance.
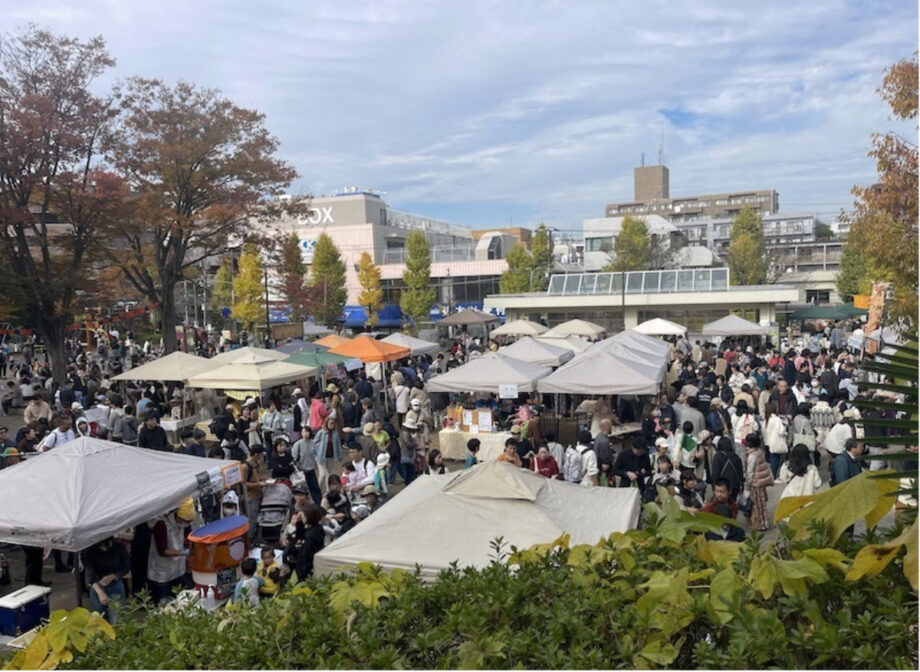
(651, 196)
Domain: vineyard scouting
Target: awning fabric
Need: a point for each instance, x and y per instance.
(176, 366)
(732, 325)
(531, 350)
(519, 328)
(369, 349)
(487, 373)
(86, 490)
(462, 513)
(468, 316)
(418, 346)
(661, 327)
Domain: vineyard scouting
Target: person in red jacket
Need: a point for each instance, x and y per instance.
(545, 464)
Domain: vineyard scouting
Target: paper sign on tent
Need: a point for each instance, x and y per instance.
(508, 391)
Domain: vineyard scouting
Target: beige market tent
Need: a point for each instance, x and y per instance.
(528, 349)
(247, 354)
(176, 366)
(487, 373)
(253, 373)
(578, 328)
(416, 345)
(573, 343)
(604, 372)
(467, 316)
(519, 328)
(87, 489)
(732, 325)
(439, 520)
(661, 327)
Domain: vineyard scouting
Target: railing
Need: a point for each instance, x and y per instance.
(640, 282)
(438, 254)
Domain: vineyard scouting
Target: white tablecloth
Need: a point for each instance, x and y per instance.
(453, 444)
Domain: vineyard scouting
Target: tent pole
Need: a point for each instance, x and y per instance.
(77, 573)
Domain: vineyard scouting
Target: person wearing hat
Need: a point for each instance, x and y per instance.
(380, 478)
(166, 561)
(371, 500)
(410, 444)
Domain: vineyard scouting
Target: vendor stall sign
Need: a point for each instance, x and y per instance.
(232, 475)
(508, 391)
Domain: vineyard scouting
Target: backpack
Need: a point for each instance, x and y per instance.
(732, 476)
(237, 453)
(574, 469)
(747, 424)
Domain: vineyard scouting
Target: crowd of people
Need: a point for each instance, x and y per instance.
(731, 420)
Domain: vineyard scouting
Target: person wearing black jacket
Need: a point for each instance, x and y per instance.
(153, 436)
(726, 464)
(633, 466)
(309, 539)
(106, 564)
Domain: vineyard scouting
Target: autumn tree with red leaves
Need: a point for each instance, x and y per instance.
(201, 170)
(54, 191)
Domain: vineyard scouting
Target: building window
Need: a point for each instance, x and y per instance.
(817, 296)
(604, 244)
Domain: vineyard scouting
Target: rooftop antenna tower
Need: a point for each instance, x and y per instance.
(642, 162)
(661, 149)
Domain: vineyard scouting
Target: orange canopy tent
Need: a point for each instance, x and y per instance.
(332, 341)
(370, 350)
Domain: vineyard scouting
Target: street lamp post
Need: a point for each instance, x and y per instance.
(268, 326)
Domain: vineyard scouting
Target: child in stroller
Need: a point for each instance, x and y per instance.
(277, 500)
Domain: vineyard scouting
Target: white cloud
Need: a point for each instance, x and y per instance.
(541, 109)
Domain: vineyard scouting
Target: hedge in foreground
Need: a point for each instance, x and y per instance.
(659, 597)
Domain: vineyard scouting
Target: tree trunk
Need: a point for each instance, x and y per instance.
(168, 322)
(53, 332)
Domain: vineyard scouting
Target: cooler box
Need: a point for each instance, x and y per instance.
(24, 609)
(217, 551)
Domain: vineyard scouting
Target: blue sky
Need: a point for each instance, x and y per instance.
(510, 111)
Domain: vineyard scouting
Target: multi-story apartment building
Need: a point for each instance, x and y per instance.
(652, 197)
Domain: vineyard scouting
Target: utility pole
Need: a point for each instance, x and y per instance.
(268, 326)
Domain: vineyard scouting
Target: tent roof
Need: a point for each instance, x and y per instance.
(248, 354)
(839, 312)
(369, 349)
(529, 349)
(316, 359)
(603, 372)
(255, 375)
(519, 328)
(732, 325)
(84, 491)
(573, 343)
(468, 316)
(176, 366)
(661, 327)
(462, 513)
(418, 346)
(331, 341)
(313, 329)
(579, 328)
(486, 373)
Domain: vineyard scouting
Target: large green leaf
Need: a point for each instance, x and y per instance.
(872, 559)
(767, 572)
(722, 590)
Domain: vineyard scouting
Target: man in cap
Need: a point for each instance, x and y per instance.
(371, 500)
(166, 562)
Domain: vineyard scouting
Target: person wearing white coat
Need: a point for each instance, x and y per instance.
(799, 474)
(774, 437)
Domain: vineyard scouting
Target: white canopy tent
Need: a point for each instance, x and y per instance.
(519, 328)
(416, 345)
(462, 514)
(486, 373)
(252, 372)
(249, 354)
(528, 349)
(660, 327)
(311, 329)
(86, 490)
(604, 372)
(732, 325)
(578, 328)
(573, 343)
(176, 366)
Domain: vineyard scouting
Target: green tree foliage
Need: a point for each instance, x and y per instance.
(632, 247)
(222, 294)
(248, 288)
(823, 231)
(851, 277)
(746, 250)
(517, 278)
(418, 296)
(884, 223)
(541, 258)
(292, 276)
(659, 597)
(371, 296)
(327, 278)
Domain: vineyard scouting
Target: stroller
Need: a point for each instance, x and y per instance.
(277, 500)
